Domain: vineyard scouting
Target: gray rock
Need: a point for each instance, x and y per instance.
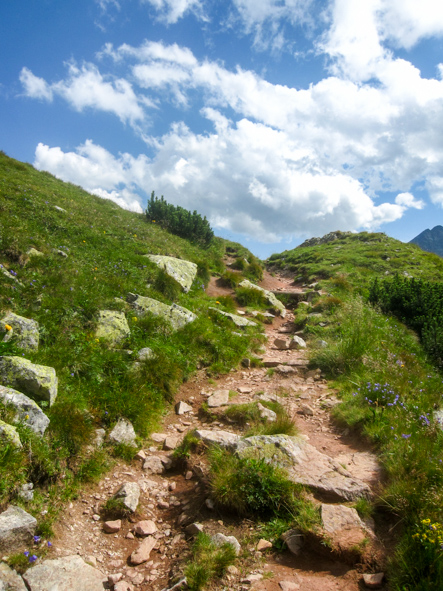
(184, 272)
(339, 517)
(10, 275)
(154, 465)
(305, 465)
(145, 354)
(219, 398)
(271, 298)
(281, 344)
(176, 316)
(220, 539)
(237, 320)
(61, 574)
(194, 529)
(99, 437)
(221, 438)
(37, 381)
(297, 343)
(129, 495)
(8, 434)
(438, 417)
(17, 529)
(27, 411)
(112, 326)
(26, 491)
(294, 540)
(267, 413)
(182, 407)
(24, 333)
(33, 252)
(123, 432)
(61, 253)
(10, 580)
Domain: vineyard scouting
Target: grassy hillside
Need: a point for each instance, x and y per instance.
(391, 390)
(104, 245)
(357, 258)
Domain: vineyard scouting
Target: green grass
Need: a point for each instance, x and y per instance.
(352, 261)
(209, 562)
(98, 385)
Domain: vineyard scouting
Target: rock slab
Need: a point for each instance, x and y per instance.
(141, 554)
(184, 272)
(305, 465)
(37, 381)
(69, 572)
(17, 529)
(27, 411)
(10, 580)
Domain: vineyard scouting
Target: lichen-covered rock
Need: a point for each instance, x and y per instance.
(8, 434)
(177, 316)
(220, 539)
(37, 381)
(304, 465)
(69, 572)
(239, 321)
(183, 272)
(24, 333)
(10, 580)
(123, 432)
(17, 529)
(145, 354)
(27, 411)
(112, 326)
(218, 437)
(270, 297)
(33, 252)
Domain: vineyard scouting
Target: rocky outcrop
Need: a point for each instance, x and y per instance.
(112, 327)
(184, 272)
(37, 381)
(324, 239)
(270, 297)
(27, 411)
(23, 332)
(239, 321)
(305, 465)
(69, 572)
(17, 529)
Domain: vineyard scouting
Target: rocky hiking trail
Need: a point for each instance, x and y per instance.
(147, 550)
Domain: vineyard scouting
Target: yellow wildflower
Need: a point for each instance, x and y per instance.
(134, 318)
(26, 417)
(8, 327)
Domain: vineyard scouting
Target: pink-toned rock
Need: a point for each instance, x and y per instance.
(143, 551)
(158, 437)
(145, 528)
(170, 442)
(281, 344)
(270, 362)
(374, 581)
(115, 578)
(112, 527)
(263, 545)
(244, 389)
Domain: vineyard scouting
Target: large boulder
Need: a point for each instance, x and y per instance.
(177, 316)
(218, 437)
(305, 465)
(23, 333)
(27, 411)
(37, 381)
(183, 272)
(270, 297)
(239, 321)
(69, 572)
(112, 327)
(10, 580)
(17, 529)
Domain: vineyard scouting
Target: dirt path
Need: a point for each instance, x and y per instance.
(175, 498)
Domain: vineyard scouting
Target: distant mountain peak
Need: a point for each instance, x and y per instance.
(430, 240)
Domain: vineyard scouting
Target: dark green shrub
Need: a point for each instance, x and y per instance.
(179, 221)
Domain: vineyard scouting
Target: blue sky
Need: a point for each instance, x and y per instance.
(277, 119)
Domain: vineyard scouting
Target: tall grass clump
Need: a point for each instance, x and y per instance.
(209, 561)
